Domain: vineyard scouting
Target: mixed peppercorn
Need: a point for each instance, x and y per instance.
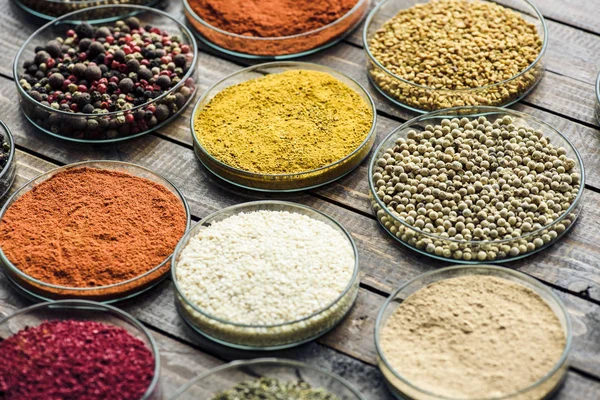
(119, 76)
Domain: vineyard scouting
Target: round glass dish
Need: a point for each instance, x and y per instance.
(209, 384)
(421, 98)
(112, 126)
(50, 9)
(598, 98)
(265, 337)
(418, 240)
(282, 182)
(8, 173)
(279, 48)
(81, 310)
(401, 388)
(107, 294)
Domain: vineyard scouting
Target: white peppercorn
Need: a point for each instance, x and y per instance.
(474, 185)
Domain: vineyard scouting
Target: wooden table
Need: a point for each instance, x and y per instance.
(565, 99)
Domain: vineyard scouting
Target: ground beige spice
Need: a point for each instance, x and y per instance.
(473, 337)
(284, 123)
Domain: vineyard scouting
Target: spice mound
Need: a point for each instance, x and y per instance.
(284, 123)
(261, 272)
(473, 337)
(272, 389)
(270, 18)
(87, 227)
(448, 45)
(473, 189)
(74, 360)
(96, 70)
(280, 27)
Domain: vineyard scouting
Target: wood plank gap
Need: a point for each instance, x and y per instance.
(172, 140)
(574, 120)
(342, 205)
(374, 290)
(584, 374)
(592, 188)
(39, 155)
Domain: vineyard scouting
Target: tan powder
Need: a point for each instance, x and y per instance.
(473, 337)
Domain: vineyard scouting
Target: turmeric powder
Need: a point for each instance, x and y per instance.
(284, 123)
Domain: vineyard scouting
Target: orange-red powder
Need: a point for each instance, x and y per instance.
(276, 20)
(87, 227)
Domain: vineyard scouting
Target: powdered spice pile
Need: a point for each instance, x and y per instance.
(473, 337)
(74, 360)
(86, 227)
(270, 18)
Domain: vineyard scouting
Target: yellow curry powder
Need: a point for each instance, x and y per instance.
(284, 123)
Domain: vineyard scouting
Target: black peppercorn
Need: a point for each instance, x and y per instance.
(163, 81)
(87, 109)
(179, 60)
(93, 73)
(84, 30)
(133, 22)
(96, 48)
(102, 32)
(84, 44)
(56, 80)
(126, 85)
(162, 112)
(53, 48)
(119, 56)
(133, 65)
(144, 73)
(41, 57)
(79, 70)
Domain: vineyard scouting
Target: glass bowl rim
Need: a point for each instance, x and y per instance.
(66, 17)
(238, 209)
(356, 7)
(84, 290)
(298, 65)
(12, 144)
(472, 270)
(483, 110)
(274, 361)
(598, 89)
(535, 62)
(130, 319)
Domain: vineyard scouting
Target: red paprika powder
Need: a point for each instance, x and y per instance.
(60, 360)
(274, 27)
(86, 228)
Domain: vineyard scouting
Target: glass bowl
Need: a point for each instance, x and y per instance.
(421, 98)
(81, 310)
(282, 182)
(50, 9)
(40, 290)
(496, 250)
(598, 98)
(402, 388)
(265, 337)
(210, 384)
(279, 48)
(8, 173)
(112, 126)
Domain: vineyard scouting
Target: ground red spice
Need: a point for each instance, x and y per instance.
(60, 360)
(87, 227)
(274, 19)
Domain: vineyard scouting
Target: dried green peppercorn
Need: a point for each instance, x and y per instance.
(273, 389)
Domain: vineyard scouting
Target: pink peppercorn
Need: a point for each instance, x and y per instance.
(60, 360)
